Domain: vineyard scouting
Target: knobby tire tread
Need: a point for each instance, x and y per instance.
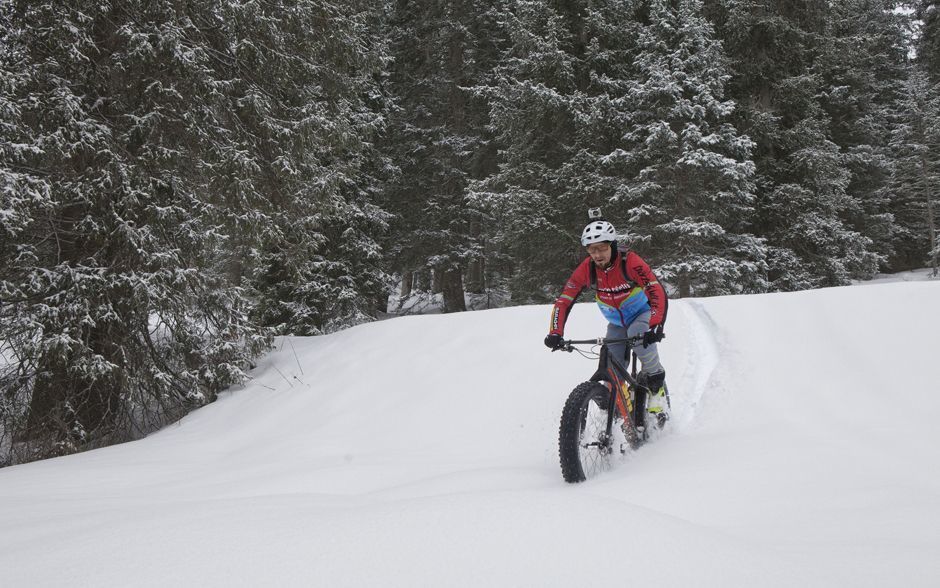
(568, 441)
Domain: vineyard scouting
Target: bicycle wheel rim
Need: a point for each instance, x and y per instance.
(595, 446)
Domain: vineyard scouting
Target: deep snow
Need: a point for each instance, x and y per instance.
(423, 451)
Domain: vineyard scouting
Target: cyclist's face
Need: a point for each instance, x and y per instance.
(600, 253)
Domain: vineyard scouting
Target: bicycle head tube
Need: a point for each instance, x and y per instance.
(601, 374)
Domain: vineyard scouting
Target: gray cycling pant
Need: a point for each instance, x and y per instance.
(649, 356)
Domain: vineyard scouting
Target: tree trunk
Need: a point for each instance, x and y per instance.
(406, 283)
(931, 224)
(453, 292)
(437, 281)
(475, 277)
(475, 280)
(234, 265)
(234, 270)
(685, 284)
(49, 392)
(66, 406)
(423, 281)
(74, 409)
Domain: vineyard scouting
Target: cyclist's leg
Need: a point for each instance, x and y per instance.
(649, 356)
(617, 351)
(652, 375)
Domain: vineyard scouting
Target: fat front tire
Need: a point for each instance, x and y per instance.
(584, 444)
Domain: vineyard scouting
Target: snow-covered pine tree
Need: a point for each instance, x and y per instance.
(928, 58)
(438, 138)
(802, 175)
(306, 107)
(862, 62)
(558, 113)
(692, 196)
(928, 42)
(111, 313)
(917, 176)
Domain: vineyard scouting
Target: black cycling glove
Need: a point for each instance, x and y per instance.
(654, 335)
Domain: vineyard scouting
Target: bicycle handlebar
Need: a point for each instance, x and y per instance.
(567, 344)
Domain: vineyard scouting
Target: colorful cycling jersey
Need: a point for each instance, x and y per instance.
(620, 297)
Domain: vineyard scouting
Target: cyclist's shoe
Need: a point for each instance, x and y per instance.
(657, 406)
(656, 403)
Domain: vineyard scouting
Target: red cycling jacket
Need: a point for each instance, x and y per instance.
(626, 289)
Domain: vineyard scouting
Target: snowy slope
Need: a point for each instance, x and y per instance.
(422, 451)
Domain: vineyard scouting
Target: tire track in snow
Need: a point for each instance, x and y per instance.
(702, 357)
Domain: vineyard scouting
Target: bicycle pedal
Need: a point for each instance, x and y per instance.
(661, 419)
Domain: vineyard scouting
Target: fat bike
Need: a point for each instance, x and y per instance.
(604, 417)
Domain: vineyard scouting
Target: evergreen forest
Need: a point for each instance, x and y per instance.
(182, 182)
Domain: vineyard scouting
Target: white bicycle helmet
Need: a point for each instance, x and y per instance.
(598, 231)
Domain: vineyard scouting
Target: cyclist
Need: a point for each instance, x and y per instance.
(631, 299)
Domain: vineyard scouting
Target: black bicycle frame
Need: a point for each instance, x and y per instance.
(613, 373)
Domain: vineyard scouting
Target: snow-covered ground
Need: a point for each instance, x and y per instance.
(917, 275)
(422, 451)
